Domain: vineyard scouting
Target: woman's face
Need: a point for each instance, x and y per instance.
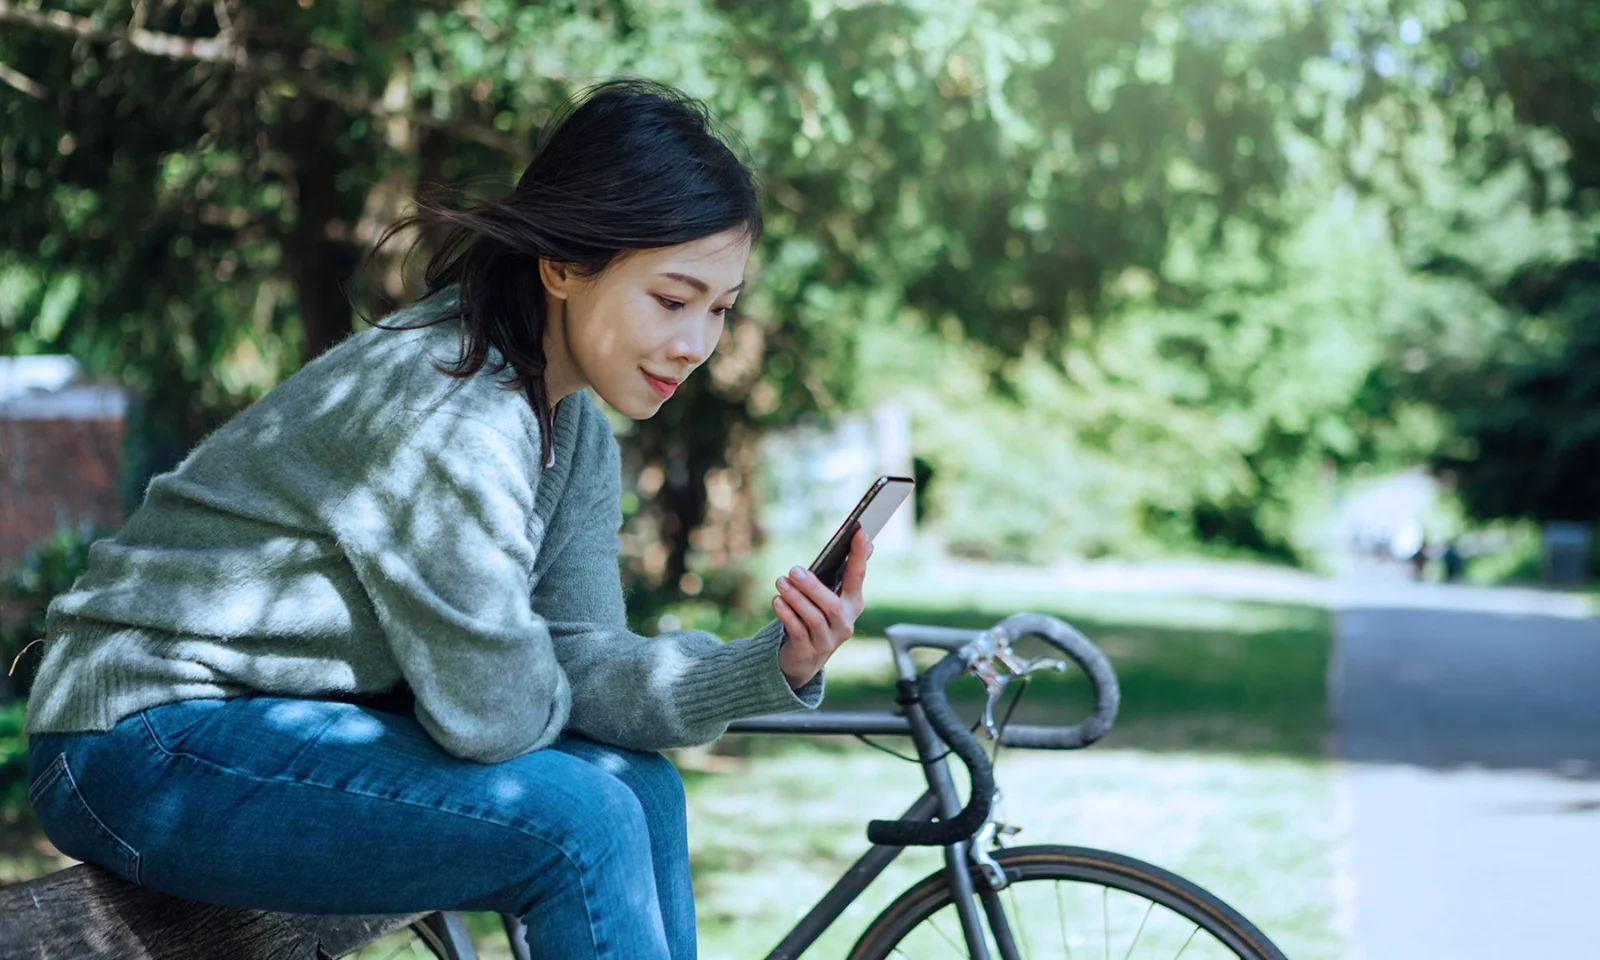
(640, 328)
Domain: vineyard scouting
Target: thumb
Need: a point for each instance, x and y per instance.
(855, 568)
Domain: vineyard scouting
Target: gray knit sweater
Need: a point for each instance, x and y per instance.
(372, 520)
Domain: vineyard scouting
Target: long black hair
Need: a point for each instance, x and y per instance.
(626, 165)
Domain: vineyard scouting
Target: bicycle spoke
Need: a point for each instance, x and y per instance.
(1105, 918)
(1140, 932)
(1157, 934)
(958, 948)
(1061, 915)
(1020, 921)
(1192, 934)
(1152, 934)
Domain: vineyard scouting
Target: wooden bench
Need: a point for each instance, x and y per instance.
(86, 913)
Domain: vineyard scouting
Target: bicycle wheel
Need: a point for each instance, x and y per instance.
(1072, 902)
(438, 936)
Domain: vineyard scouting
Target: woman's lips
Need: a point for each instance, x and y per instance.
(663, 387)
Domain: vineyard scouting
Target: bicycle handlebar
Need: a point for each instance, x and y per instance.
(930, 689)
(1102, 684)
(962, 742)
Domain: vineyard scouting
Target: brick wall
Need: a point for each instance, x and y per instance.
(56, 470)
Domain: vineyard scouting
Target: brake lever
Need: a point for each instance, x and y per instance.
(995, 682)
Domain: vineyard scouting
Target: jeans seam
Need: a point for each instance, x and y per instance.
(154, 737)
(42, 782)
(583, 877)
(128, 852)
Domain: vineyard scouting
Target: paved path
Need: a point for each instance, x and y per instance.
(1367, 587)
(1472, 789)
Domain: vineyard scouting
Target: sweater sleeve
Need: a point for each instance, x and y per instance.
(442, 535)
(676, 689)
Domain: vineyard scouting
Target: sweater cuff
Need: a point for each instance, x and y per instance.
(741, 679)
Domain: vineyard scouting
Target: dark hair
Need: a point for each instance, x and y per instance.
(626, 165)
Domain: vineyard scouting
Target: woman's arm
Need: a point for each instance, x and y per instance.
(440, 533)
(680, 688)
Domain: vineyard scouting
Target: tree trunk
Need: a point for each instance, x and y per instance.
(319, 256)
(697, 435)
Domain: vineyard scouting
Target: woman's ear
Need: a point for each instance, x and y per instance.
(556, 277)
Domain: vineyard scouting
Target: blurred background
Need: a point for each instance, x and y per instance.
(1259, 338)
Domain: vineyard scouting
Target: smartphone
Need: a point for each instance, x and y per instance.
(882, 499)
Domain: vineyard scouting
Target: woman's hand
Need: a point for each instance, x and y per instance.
(815, 619)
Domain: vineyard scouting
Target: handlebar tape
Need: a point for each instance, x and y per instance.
(902, 833)
(1102, 683)
(930, 686)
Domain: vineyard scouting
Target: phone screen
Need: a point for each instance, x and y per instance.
(882, 499)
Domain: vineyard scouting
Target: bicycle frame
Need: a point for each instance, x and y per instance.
(941, 798)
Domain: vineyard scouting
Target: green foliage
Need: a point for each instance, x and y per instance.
(13, 756)
(1476, 123)
(996, 165)
(1534, 431)
(1520, 563)
(48, 568)
(1218, 426)
(1132, 222)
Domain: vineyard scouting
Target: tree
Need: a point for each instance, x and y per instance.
(1532, 432)
(189, 185)
(1496, 204)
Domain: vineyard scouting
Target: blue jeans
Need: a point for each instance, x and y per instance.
(310, 806)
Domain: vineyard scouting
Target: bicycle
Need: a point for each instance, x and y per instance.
(978, 890)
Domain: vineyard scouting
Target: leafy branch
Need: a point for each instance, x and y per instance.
(225, 48)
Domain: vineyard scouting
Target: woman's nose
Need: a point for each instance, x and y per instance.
(694, 344)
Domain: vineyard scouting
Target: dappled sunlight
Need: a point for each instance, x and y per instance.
(248, 661)
(1166, 307)
(609, 761)
(507, 788)
(293, 714)
(351, 726)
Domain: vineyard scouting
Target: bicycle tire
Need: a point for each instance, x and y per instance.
(438, 936)
(899, 931)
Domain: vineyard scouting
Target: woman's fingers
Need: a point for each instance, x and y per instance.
(835, 606)
(816, 622)
(814, 617)
(792, 624)
(855, 570)
(810, 601)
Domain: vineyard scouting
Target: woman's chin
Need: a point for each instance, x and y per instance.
(632, 407)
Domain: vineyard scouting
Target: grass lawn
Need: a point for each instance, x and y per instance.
(1240, 677)
(772, 831)
(1215, 770)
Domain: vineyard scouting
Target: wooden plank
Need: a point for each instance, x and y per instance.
(85, 912)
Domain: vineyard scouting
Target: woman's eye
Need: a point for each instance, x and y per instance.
(724, 311)
(671, 304)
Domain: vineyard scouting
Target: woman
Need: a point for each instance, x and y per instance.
(364, 650)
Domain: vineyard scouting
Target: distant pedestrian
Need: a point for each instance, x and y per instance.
(1419, 560)
(1453, 562)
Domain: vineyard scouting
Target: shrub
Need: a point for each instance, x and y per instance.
(48, 568)
(13, 757)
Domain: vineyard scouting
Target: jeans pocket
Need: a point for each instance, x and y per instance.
(73, 827)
